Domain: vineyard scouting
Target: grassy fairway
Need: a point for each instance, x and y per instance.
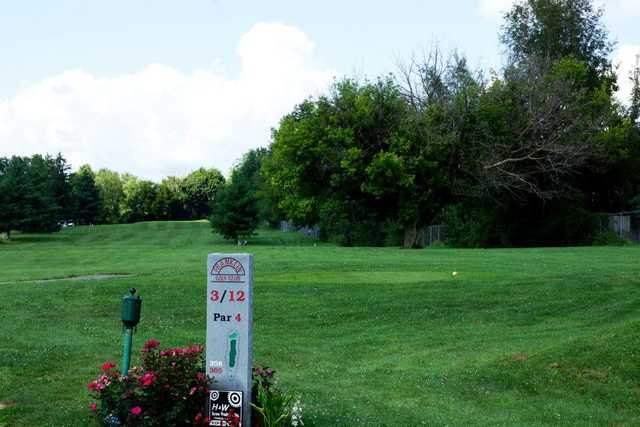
(368, 336)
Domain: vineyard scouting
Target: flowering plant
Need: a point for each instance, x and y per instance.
(271, 406)
(170, 388)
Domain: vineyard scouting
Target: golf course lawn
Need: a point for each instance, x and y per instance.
(366, 336)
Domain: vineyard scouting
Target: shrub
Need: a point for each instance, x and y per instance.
(170, 388)
(466, 227)
(272, 407)
(608, 238)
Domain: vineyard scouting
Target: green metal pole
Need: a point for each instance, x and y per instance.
(126, 351)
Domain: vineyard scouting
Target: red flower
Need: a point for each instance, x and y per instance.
(233, 419)
(200, 420)
(93, 406)
(136, 410)
(150, 345)
(147, 379)
(108, 365)
(92, 385)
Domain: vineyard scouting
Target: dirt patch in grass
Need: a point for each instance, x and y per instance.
(520, 357)
(80, 278)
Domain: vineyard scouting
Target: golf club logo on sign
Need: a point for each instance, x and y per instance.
(228, 270)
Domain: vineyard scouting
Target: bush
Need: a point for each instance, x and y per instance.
(466, 227)
(272, 407)
(608, 238)
(171, 389)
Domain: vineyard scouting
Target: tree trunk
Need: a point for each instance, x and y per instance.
(412, 234)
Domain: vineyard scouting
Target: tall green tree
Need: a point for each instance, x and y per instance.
(60, 185)
(15, 188)
(170, 200)
(251, 167)
(41, 208)
(86, 201)
(138, 201)
(556, 29)
(26, 194)
(356, 158)
(111, 195)
(199, 189)
(235, 209)
(634, 109)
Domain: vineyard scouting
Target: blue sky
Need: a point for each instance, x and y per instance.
(161, 87)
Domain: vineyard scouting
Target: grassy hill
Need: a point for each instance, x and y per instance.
(367, 336)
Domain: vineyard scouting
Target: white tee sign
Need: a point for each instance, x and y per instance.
(229, 317)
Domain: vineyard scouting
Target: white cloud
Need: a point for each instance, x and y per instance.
(625, 58)
(160, 121)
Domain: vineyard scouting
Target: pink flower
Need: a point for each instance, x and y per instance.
(147, 379)
(100, 386)
(150, 345)
(136, 410)
(192, 391)
(93, 406)
(108, 365)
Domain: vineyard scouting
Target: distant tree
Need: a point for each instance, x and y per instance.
(138, 201)
(85, 196)
(441, 94)
(200, 188)
(170, 200)
(556, 29)
(111, 195)
(59, 183)
(320, 153)
(14, 188)
(251, 168)
(537, 128)
(371, 153)
(634, 109)
(41, 209)
(235, 208)
(26, 196)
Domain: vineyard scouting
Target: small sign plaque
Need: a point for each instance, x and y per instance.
(229, 317)
(225, 408)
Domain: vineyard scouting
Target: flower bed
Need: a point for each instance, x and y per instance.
(170, 388)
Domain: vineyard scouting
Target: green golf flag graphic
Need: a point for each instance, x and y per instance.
(233, 349)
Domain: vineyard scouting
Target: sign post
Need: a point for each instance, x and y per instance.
(229, 341)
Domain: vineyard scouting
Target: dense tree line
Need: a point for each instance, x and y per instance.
(39, 193)
(527, 156)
